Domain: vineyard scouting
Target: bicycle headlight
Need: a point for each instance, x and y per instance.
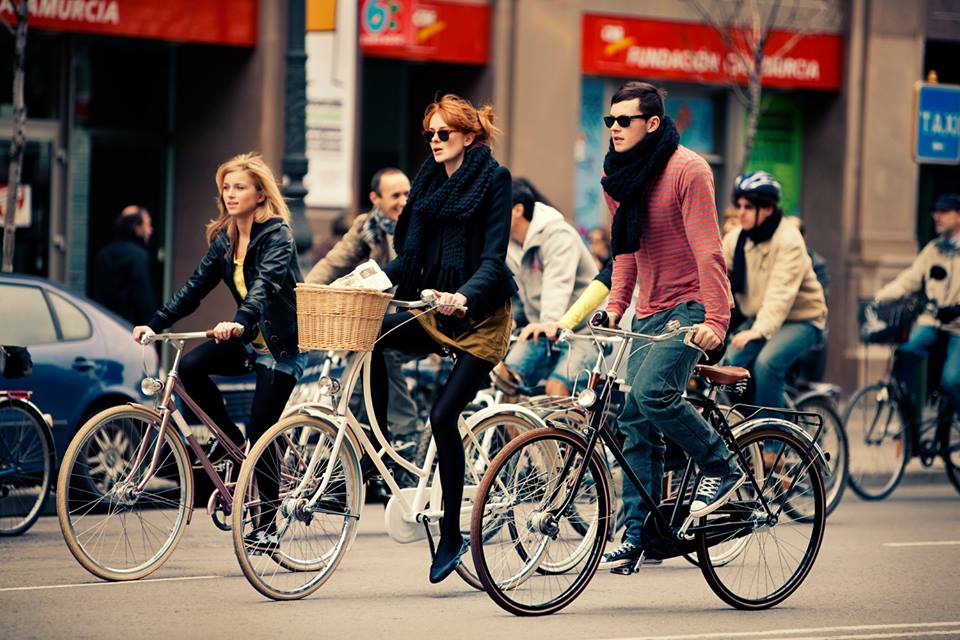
(586, 398)
(150, 386)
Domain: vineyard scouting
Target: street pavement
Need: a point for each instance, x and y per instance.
(886, 570)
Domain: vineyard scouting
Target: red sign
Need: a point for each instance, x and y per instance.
(230, 22)
(415, 30)
(616, 46)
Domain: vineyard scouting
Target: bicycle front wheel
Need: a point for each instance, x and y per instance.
(877, 439)
(519, 525)
(26, 467)
(114, 528)
(774, 552)
(833, 440)
(275, 488)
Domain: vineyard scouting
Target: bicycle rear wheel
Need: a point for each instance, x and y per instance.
(950, 451)
(833, 440)
(778, 551)
(312, 540)
(114, 530)
(878, 442)
(517, 527)
(26, 467)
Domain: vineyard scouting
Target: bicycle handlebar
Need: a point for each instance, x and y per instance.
(428, 298)
(147, 338)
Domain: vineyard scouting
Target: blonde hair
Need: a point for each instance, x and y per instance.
(460, 114)
(273, 205)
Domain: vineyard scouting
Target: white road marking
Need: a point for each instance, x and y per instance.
(105, 584)
(915, 629)
(932, 543)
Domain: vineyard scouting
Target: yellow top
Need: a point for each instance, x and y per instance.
(592, 296)
(258, 342)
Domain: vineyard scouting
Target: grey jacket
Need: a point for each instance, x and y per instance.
(357, 245)
(911, 280)
(552, 268)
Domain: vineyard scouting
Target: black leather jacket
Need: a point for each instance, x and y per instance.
(271, 272)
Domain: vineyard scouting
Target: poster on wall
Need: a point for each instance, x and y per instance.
(23, 216)
(591, 146)
(694, 118)
(331, 112)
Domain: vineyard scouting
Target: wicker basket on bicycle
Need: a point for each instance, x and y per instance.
(334, 319)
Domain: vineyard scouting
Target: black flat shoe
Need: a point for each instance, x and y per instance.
(440, 570)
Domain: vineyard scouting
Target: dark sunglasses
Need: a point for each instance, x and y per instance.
(623, 121)
(443, 133)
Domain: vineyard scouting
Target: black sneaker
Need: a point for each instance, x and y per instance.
(260, 542)
(627, 553)
(714, 491)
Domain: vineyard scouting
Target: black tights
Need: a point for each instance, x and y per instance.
(467, 376)
(270, 397)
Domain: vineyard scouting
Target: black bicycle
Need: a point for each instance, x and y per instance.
(754, 551)
(27, 461)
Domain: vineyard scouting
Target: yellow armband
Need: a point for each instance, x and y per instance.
(588, 301)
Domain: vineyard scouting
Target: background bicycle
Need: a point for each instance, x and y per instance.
(27, 460)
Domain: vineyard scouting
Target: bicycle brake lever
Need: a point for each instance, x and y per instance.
(688, 340)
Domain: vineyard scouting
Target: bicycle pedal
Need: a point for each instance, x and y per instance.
(624, 570)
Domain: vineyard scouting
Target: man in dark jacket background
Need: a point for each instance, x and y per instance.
(120, 279)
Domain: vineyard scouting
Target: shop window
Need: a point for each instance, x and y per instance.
(778, 147)
(42, 84)
(25, 317)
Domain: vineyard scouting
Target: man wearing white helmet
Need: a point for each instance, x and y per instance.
(773, 281)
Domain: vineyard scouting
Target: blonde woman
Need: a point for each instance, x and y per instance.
(252, 251)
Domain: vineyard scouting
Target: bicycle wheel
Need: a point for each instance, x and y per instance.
(877, 439)
(950, 451)
(833, 440)
(114, 530)
(519, 500)
(295, 455)
(779, 551)
(26, 467)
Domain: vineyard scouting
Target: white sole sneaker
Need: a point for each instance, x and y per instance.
(719, 502)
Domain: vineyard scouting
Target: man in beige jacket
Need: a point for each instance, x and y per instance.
(936, 271)
(774, 283)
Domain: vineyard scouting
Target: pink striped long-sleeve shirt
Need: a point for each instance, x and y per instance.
(680, 257)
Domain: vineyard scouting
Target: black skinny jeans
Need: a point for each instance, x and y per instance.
(466, 378)
(269, 398)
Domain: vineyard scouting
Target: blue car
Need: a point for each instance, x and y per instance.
(83, 357)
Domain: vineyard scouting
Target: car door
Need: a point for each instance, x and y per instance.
(64, 371)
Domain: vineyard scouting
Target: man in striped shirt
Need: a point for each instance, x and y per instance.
(666, 244)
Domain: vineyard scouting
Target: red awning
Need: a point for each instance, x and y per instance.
(436, 31)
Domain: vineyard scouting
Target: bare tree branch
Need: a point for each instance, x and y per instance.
(797, 35)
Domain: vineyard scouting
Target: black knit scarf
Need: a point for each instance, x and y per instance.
(628, 178)
(441, 205)
(759, 233)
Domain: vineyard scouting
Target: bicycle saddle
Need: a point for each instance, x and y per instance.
(722, 374)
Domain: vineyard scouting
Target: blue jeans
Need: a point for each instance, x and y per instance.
(922, 339)
(769, 360)
(658, 375)
(540, 359)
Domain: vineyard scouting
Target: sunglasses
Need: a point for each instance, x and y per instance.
(623, 121)
(443, 133)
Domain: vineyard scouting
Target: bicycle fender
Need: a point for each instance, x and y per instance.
(515, 409)
(780, 424)
(830, 395)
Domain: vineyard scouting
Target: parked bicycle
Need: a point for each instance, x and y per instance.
(125, 488)
(532, 560)
(27, 460)
(317, 463)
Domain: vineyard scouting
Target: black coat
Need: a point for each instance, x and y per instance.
(488, 233)
(271, 272)
(121, 280)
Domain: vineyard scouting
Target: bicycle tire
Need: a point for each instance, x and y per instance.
(790, 474)
(833, 440)
(306, 565)
(528, 470)
(26, 466)
(950, 452)
(873, 420)
(111, 439)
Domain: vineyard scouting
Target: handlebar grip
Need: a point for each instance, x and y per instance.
(600, 319)
(209, 333)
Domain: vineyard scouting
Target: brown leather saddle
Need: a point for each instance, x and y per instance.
(722, 374)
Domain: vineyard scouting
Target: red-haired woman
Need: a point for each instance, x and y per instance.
(452, 237)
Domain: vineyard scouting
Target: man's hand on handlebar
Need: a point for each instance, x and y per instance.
(704, 337)
(534, 330)
(605, 318)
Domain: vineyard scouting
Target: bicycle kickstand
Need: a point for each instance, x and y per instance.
(424, 519)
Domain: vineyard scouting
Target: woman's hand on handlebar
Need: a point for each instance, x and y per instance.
(451, 304)
(226, 330)
(140, 331)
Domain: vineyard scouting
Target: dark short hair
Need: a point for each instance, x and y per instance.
(947, 202)
(651, 97)
(375, 180)
(522, 194)
(126, 224)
